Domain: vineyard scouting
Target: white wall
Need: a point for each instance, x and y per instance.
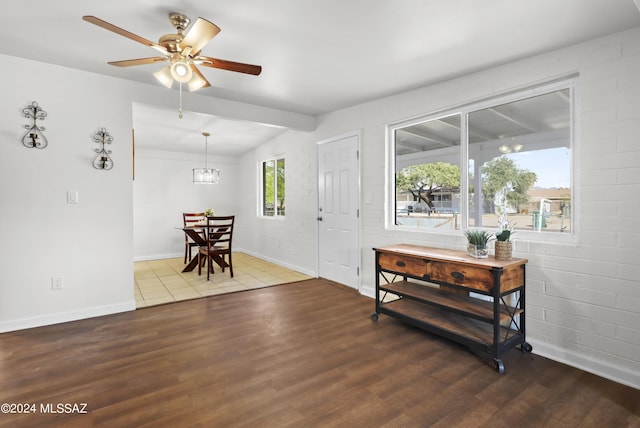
(290, 242)
(163, 189)
(583, 298)
(88, 244)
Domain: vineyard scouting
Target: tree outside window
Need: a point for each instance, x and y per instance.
(517, 149)
(273, 187)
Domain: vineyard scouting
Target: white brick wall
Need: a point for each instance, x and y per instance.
(290, 241)
(583, 297)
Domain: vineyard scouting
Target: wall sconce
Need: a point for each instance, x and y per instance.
(34, 138)
(102, 160)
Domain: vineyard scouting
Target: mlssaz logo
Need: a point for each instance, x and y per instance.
(63, 408)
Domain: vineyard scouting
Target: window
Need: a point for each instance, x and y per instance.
(517, 158)
(272, 183)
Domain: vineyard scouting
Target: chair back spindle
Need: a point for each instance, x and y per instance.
(219, 242)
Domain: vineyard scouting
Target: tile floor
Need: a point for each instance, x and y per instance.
(162, 281)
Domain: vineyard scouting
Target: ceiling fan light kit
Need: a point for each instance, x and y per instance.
(196, 82)
(181, 71)
(164, 77)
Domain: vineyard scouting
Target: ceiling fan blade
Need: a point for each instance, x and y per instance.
(139, 61)
(229, 65)
(198, 80)
(108, 26)
(199, 35)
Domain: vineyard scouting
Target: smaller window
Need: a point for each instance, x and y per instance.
(272, 192)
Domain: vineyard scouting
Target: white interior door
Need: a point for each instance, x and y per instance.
(338, 212)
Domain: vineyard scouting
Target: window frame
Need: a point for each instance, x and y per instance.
(464, 110)
(261, 187)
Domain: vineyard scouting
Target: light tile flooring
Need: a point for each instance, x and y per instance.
(162, 281)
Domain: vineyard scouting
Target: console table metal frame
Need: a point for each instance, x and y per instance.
(438, 300)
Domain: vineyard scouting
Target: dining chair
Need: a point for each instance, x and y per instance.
(219, 238)
(192, 219)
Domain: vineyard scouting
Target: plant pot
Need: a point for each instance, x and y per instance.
(477, 251)
(503, 250)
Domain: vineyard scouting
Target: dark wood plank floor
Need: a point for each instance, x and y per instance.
(298, 355)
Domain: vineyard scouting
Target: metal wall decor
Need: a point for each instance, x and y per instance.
(34, 138)
(102, 160)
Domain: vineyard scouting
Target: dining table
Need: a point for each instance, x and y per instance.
(195, 233)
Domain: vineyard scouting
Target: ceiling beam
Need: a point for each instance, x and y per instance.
(517, 121)
(412, 130)
(472, 132)
(410, 147)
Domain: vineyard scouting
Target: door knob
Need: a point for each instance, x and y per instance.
(320, 218)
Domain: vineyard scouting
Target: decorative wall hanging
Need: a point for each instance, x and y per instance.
(102, 160)
(34, 138)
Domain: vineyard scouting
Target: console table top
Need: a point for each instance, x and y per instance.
(448, 255)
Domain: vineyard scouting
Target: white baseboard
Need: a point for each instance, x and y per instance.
(369, 291)
(278, 262)
(569, 357)
(61, 317)
(158, 257)
(597, 367)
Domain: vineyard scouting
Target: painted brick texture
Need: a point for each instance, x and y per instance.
(583, 296)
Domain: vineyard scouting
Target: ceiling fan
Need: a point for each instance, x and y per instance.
(181, 51)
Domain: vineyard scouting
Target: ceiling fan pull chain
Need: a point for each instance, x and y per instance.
(180, 108)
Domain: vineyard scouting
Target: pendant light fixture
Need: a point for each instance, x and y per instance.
(206, 175)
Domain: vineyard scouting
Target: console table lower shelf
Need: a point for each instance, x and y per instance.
(439, 302)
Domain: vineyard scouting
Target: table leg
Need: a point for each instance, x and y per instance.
(194, 234)
(192, 264)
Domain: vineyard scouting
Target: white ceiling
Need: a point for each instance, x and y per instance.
(317, 56)
(160, 129)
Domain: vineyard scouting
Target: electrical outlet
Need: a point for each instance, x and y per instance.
(72, 197)
(57, 283)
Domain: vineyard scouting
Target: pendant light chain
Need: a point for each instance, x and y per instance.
(206, 149)
(180, 108)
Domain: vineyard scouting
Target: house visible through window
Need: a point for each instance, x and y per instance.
(273, 185)
(518, 164)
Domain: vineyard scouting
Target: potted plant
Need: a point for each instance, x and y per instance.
(209, 212)
(504, 246)
(477, 243)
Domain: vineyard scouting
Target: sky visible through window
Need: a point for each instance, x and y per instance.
(552, 166)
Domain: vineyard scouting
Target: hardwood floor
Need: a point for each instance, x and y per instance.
(297, 355)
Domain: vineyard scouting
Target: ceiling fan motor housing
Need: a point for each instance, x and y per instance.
(180, 21)
(171, 42)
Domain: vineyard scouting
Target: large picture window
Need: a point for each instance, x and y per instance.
(504, 159)
(272, 187)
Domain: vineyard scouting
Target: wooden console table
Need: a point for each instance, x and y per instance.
(430, 289)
